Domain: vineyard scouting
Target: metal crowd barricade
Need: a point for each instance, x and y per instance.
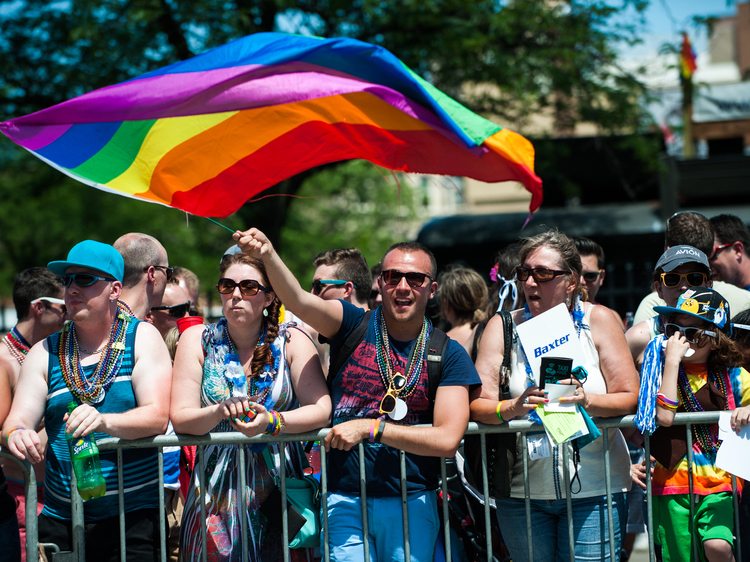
(519, 427)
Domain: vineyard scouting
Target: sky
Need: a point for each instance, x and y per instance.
(665, 19)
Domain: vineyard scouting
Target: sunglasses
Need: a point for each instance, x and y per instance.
(176, 311)
(248, 287)
(691, 334)
(591, 276)
(393, 277)
(540, 274)
(50, 300)
(168, 270)
(718, 249)
(694, 279)
(317, 285)
(82, 279)
(388, 403)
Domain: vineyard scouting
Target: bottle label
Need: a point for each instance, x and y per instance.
(80, 447)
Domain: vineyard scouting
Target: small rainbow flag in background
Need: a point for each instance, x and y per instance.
(206, 134)
(687, 59)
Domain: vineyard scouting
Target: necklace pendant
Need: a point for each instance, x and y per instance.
(400, 411)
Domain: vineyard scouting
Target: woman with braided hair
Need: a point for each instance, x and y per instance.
(248, 374)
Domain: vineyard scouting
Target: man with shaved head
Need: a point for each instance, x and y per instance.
(147, 271)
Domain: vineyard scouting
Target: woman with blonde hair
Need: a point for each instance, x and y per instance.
(550, 271)
(462, 294)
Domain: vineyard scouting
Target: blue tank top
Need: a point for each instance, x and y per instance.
(140, 466)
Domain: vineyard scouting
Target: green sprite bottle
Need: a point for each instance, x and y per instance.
(84, 455)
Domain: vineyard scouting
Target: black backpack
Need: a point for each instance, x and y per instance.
(437, 345)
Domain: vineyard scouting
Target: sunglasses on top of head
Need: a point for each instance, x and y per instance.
(540, 274)
(248, 287)
(176, 311)
(694, 279)
(317, 285)
(691, 334)
(393, 277)
(82, 279)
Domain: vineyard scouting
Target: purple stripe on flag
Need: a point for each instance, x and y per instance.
(33, 137)
(215, 91)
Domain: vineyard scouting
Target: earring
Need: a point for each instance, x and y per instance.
(265, 312)
(567, 301)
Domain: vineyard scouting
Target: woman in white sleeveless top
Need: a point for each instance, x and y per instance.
(550, 270)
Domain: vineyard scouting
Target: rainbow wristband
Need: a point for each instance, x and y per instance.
(7, 437)
(372, 430)
(663, 398)
(269, 428)
(666, 403)
(497, 411)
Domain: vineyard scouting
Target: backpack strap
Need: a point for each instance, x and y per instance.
(508, 344)
(437, 346)
(355, 337)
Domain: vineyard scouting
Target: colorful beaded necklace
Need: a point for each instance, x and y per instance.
(705, 434)
(93, 389)
(16, 345)
(385, 356)
(255, 388)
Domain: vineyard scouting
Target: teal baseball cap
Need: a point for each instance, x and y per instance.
(92, 255)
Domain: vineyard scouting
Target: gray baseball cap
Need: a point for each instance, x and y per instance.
(676, 256)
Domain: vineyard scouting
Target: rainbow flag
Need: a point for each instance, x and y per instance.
(687, 59)
(206, 134)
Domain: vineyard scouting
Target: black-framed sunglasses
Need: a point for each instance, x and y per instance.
(168, 270)
(540, 274)
(388, 403)
(718, 249)
(414, 278)
(248, 287)
(176, 310)
(591, 276)
(317, 285)
(694, 278)
(690, 333)
(82, 279)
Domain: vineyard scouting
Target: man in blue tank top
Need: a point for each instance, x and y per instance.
(118, 372)
(380, 393)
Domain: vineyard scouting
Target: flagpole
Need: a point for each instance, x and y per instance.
(687, 68)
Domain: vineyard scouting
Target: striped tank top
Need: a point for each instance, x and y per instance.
(140, 466)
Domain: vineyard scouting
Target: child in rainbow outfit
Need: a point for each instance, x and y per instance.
(692, 368)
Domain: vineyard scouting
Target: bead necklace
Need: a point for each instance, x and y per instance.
(705, 434)
(86, 351)
(94, 388)
(16, 345)
(253, 384)
(385, 357)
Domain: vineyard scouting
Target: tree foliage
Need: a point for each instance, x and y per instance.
(355, 205)
(505, 58)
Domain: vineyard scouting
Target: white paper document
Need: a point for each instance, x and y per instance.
(734, 452)
(551, 333)
(557, 391)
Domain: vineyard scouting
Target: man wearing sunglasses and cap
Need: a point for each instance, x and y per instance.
(118, 371)
(679, 268)
(40, 309)
(379, 393)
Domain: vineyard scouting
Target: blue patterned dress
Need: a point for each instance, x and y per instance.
(222, 467)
